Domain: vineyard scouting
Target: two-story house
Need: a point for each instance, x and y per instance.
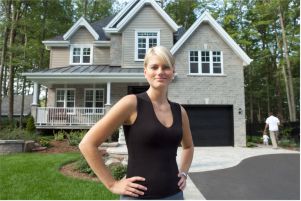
(93, 65)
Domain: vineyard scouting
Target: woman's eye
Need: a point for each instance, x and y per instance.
(154, 67)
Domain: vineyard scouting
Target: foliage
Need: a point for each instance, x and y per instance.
(251, 144)
(44, 141)
(254, 139)
(118, 171)
(83, 166)
(287, 143)
(75, 137)
(34, 176)
(30, 126)
(16, 134)
(59, 136)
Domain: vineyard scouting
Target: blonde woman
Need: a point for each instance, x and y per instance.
(154, 127)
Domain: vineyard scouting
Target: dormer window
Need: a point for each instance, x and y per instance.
(145, 39)
(81, 54)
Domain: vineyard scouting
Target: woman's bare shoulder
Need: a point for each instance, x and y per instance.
(129, 101)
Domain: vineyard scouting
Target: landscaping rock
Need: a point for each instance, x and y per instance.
(112, 161)
(29, 145)
(111, 144)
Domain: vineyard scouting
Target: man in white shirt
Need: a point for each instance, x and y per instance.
(272, 122)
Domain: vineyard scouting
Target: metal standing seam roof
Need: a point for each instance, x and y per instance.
(91, 69)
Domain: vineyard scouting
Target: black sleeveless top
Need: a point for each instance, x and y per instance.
(152, 149)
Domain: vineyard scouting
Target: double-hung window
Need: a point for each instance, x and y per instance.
(145, 40)
(65, 98)
(205, 62)
(94, 100)
(81, 54)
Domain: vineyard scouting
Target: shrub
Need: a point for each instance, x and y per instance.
(30, 126)
(118, 171)
(16, 134)
(254, 139)
(251, 144)
(44, 141)
(82, 166)
(59, 136)
(75, 137)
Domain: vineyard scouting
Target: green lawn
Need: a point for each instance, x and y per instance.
(34, 176)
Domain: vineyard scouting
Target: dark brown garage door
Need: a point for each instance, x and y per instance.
(211, 125)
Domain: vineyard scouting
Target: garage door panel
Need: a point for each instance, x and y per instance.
(211, 125)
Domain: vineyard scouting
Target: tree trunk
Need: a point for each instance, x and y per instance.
(12, 35)
(4, 52)
(288, 72)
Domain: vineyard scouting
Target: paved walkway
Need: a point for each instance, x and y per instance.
(215, 158)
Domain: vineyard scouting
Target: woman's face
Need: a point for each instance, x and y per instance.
(157, 73)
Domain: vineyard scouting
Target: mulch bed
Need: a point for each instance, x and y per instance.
(68, 169)
(60, 147)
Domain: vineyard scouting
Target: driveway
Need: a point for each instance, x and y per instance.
(208, 160)
(267, 177)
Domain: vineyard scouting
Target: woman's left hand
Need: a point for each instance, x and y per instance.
(182, 182)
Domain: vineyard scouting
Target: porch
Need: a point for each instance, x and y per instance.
(67, 118)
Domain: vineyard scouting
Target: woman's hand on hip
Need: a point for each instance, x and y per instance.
(182, 181)
(127, 186)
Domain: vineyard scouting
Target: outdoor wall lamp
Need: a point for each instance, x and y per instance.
(239, 111)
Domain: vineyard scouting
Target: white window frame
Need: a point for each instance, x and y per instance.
(94, 98)
(81, 46)
(65, 98)
(147, 40)
(210, 62)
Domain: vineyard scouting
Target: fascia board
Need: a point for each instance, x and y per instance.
(56, 43)
(76, 26)
(224, 35)
(159, 10)
(120, 14)
(102, 43)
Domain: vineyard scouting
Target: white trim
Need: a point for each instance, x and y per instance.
(210, 63)
(77, 25)
(81, 46)
(118, 16)
(102, 43)
(147, 41)
(48, 43)
(65, 96)
(224, 35)
(108, 93)
(132, 13)
(94, 98)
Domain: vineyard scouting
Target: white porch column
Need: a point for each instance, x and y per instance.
(108, 93)
(35, 98)
(35, 94)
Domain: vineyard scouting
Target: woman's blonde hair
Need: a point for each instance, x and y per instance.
(163, 53)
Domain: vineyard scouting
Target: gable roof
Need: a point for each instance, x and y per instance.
(96, 26)
(129, 11)
(206, 17)
(81, 22)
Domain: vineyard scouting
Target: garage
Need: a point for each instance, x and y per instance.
(211, 125)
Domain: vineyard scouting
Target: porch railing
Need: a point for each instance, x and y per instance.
(52, 116)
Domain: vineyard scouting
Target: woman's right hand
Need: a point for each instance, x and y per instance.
(127, 186)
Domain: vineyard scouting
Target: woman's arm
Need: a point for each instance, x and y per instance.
(121, 112)
(188, 149)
